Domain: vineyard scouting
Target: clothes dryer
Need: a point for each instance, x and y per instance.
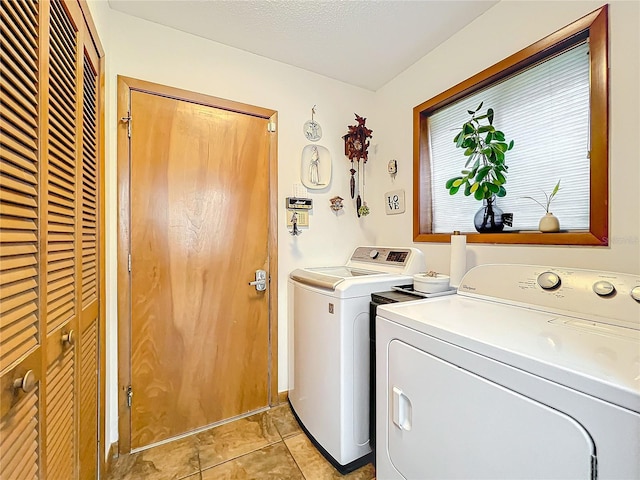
(527, 372)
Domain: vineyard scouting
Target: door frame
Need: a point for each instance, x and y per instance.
(125, 86)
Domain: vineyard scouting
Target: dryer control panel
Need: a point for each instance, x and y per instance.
(607, 297)
(402, 260)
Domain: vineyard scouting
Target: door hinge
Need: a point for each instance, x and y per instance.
(594, 467)
(271, 127)
(129, 396)
(128, 120)
(129, 262)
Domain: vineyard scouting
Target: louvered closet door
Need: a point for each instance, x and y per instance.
(89, 330)
(20, 283)
(49, 242)
(62, 243)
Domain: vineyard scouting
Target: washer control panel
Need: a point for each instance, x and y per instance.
(604, 288)
(548, 280)
(605, 296)
(388, 259)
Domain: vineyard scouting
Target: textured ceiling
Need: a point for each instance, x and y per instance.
(363, 43)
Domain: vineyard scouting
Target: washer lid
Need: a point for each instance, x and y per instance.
(328, 277)
(594, 358)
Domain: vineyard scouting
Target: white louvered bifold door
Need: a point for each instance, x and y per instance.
(20, 329)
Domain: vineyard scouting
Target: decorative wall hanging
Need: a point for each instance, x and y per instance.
(356, 145)
(394, 202)
(299, 210)
(312, 129)
(315, 167)
(392, 168)
(294, 223)
(336, 203)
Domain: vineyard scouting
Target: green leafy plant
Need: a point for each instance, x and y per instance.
(548, 197)
(485, 171)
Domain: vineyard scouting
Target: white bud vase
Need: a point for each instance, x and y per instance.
(549, 223)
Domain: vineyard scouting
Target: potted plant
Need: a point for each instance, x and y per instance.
(548, 223)
(485, 171)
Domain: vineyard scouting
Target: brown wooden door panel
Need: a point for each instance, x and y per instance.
(88, 398)
(20, 418)
(61, 246)
(60, 412)
(20, 320)
(49, 236)
(88, 344)
(199, 225)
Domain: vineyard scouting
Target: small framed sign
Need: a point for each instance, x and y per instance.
(394, 202)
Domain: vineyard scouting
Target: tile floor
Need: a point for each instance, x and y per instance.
(268, 445)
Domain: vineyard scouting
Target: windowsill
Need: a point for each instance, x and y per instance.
(532, 237)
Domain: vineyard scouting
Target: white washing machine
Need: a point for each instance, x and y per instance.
(527, 372)
(329, 389)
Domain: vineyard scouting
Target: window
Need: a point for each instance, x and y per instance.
(551, 98)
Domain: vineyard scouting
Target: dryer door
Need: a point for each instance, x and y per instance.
(445, 422)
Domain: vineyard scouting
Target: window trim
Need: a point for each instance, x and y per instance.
(593, 26)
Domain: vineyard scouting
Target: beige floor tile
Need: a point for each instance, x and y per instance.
(234, 439)
(175, 460)
(315, 467)
(284, 420)
(270, 463)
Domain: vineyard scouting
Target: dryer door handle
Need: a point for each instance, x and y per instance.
(402, 409)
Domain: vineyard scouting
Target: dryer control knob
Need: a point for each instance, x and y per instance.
(548, 280)
(635, 293)
(374, 254)
(604, 288)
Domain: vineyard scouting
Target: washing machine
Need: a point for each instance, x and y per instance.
(329, 387)
(527, 372)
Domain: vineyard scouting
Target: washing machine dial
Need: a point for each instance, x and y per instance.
(374, 254)
(548, 280)
(604, 288)
(635, 293)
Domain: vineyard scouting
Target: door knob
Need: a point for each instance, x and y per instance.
(261, 281)
(26, 383)
(68, 338)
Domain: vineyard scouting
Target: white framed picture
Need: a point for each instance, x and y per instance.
(394, 202)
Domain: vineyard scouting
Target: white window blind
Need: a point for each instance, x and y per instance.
(545, 110)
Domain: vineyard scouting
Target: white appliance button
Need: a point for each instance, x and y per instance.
(374, 254)
(603, 288)
(548, 280)
(635, 293)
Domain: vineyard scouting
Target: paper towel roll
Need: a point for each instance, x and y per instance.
(458, 265)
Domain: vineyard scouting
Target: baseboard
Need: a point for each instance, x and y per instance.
(111, 457)
(283, 397)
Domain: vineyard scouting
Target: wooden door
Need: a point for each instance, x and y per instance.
(45, 256)
(199, 230)
(60, 248)
(90, 266)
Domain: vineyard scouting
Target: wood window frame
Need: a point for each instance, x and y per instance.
(594, 27)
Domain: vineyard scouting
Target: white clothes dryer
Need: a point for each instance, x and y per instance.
(527, 372)
(329, 388)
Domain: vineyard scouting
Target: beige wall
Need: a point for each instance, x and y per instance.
(147, 51)
(505, 29)
(150, 52)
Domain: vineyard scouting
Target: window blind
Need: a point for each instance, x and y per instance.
(545, 110)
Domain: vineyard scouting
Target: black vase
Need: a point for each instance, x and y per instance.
(489, 218)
